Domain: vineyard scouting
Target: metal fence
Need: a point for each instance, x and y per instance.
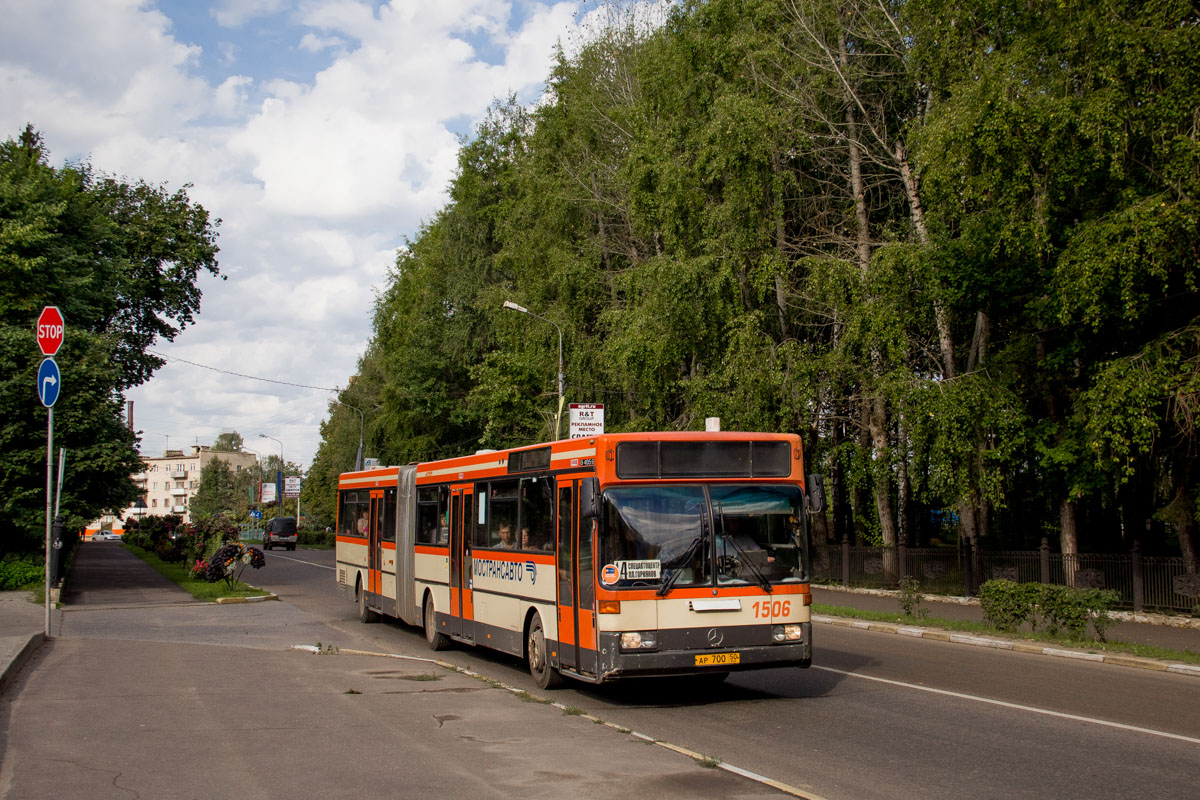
(1143, 582)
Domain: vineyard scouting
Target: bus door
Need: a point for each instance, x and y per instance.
(374, 546)
(576, 584)
(461, 609)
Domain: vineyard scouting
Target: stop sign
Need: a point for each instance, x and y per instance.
(50, 330)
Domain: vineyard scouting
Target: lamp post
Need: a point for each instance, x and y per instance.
(282, 467)
(509, 304)
(255, 498)
(358, 458)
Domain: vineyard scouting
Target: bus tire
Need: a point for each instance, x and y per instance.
(364, 614)
(544, 675)
(436, 639)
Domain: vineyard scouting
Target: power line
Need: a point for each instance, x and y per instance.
(166, 357)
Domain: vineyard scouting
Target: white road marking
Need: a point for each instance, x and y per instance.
(300, 561)
(1016, 706)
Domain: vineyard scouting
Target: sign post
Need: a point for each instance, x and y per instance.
(50, 331)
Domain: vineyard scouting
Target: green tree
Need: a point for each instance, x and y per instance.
(217, 492)
(121, 261)
(229, 442)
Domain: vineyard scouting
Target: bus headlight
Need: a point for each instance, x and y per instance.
(787, 633)
(638, 640)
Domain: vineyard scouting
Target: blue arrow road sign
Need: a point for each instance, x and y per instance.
(49, 382)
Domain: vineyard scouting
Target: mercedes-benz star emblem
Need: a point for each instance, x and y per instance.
(715, 637)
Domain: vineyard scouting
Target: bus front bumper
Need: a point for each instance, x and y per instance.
(615, 663)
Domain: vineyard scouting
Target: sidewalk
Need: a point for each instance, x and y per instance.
(22, 623)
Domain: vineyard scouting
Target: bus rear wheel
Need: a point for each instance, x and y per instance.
(364, 614)
(436, 639)
(544, 675)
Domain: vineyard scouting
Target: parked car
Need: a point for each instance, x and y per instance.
(103, 536)
(280, 532)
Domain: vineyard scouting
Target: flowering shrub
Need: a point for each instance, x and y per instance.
(202, 538)
(156, 534)
(231, 560)
(200, 570)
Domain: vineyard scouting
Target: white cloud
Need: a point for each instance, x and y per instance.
(312, 43)
(317, 178)
(233, 13)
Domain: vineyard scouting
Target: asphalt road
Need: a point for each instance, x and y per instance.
(146, 693)
(878, 716)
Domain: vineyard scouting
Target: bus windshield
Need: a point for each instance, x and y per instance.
(684, 535)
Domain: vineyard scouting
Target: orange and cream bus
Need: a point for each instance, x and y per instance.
(613, 556)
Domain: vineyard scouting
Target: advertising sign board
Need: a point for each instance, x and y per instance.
(291, 486)
(586, 419)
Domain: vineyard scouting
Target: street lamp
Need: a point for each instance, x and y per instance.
(509, 304)
(358, 458)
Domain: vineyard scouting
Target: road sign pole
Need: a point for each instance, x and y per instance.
(50, 331)
(49, 506)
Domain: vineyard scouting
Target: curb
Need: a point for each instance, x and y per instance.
(1007, 644)
(1142, 617)
(224, 601)
(10, 671)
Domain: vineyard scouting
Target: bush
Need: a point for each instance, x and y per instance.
(318, 538)
(157, 535)
(202, 538)
(20, 572)
(1008, 605)
(911, 597)
(231, 560)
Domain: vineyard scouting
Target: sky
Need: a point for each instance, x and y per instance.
(320, 132)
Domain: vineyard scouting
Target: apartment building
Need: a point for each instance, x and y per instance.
(170, 481)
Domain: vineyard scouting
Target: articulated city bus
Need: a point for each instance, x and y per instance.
(612, 556)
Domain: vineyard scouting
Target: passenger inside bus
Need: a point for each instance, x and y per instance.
(507, 541)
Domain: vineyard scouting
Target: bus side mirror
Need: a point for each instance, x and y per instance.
(814, 486)
(589, 498)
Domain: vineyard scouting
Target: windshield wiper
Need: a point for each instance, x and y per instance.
(686, 556)
(762, 579)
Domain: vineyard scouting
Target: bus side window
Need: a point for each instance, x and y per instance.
(427, 515)
(565, 593)
(388, 534)
(443, 533)
(537, 514)
(480, 536)
(345, 524)
(501, 517)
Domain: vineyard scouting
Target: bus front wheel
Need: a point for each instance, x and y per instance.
(436, 639)
(544, 675)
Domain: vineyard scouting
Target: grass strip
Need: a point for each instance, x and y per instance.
(180, 574)
(983, 629)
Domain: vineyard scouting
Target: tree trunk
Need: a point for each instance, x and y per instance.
(883, 488)
(1181, 513)
(860, 502)
(903, 491)
(857, 191)
(1068, 539)
(781, 252)
(941, 315)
